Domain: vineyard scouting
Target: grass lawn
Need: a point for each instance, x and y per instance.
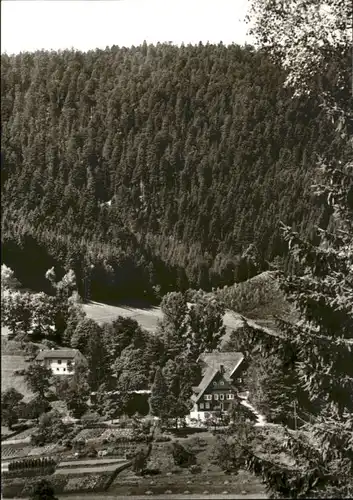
(103, 313)
(9, 364)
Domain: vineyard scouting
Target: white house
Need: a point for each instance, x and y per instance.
(61, 361)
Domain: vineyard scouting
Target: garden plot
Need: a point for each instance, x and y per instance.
(91, 462)
(22, 437)
(86, 434)
(117, 433)
(10, 452)
(91, 469)
(42, 450)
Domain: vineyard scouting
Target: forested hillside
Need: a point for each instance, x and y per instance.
(153, 168)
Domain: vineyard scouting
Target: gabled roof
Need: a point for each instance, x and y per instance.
(205, 382)
(58, 354)
(229, 360)
(212, 363)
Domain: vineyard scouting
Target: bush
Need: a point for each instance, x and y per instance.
(182, 457)
(91, 452)
(228, 455)
(195, 469)
(28, 463)
(39, 471)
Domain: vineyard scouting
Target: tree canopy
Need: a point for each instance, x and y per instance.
(160, 167)
(318, 347)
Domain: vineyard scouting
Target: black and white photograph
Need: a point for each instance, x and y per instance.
(176, 249)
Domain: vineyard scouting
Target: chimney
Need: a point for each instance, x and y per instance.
(221, 369)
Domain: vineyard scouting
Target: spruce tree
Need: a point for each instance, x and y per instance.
(159, 394)
(320, 344)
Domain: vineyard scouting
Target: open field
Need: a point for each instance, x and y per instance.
(9, 364)
(103, 313)
(147, 318)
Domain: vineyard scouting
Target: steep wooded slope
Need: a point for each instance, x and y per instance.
(154, 165)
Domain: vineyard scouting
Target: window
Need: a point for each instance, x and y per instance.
(59, 361)
(201, 406)
(207, 406)
(208, 397)
(230, 396)
(215, 396)
(214, 383)
(221, 382)
(64, 369)
(221, 396)
(57, 369)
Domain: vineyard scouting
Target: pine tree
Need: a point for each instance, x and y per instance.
(159, 393)
(321, 342)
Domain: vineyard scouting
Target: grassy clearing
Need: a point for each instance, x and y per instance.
(147, 318)
(11, 347)
(103, 313)
(9, 364)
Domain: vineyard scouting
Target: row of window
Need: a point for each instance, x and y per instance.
(208, 397)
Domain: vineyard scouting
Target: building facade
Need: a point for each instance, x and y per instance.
(60, 361)
(221, 383)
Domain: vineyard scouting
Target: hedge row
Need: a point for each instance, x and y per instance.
(30, 463)
(39, 471)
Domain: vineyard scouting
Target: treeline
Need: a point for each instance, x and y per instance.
(153, 168)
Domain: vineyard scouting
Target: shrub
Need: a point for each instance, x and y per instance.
(30, 472)
(140, 462)
(228, 455)
(195, 469)
(91, 452)
(181, 456)
(29, 463)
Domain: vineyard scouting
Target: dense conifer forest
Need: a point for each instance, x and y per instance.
(153, 168)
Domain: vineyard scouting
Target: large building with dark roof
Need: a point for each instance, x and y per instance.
(220, 384)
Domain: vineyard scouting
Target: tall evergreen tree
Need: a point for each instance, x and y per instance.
(159, 393)
(321, 342)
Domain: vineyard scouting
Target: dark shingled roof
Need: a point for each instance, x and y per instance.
(212, 363)
(58, 354)
(229, 360)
